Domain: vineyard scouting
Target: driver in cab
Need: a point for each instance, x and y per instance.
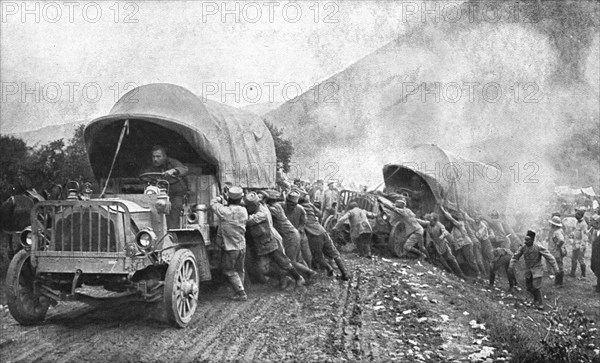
(171, 168)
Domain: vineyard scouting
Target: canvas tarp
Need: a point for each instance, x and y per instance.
(589, 191)
(235, 143)
(454, 181)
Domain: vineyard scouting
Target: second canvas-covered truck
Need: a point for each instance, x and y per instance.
(118, 241)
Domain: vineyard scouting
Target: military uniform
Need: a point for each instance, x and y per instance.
(360, 229)
(464, 246)
(579, 247)
(501, 259)
(412, 233)
(297, 217)
(266, 240)
(436, 236)
(534, 271)
(330, 196)
(231, 238)
(595, 261)
(177, 191)
(291, 238)
(482, 233)
(319, 241)
(556, 248)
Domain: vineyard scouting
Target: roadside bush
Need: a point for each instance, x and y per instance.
(571, 336)
(512, 336)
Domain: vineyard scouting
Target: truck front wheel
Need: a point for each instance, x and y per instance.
(24, 304)
(181, 288)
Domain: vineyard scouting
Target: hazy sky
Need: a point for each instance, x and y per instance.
(76, 58)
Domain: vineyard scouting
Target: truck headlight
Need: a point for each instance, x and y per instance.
(26, 237)
(145, 239)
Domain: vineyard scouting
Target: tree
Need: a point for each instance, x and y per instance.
(14, 157)
(77, 164)
(283, 146)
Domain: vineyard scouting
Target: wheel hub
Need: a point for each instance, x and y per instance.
(189, 287)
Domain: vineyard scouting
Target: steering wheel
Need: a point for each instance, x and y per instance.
(154, 178)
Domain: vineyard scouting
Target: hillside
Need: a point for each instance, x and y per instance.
(48, 133)
(501, 87)
(261, 109)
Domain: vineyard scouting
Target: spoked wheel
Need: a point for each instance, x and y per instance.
(181, 288)
(24, 304)
(330, 223)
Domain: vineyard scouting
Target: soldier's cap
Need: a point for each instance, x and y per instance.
(352, 205)
(293, 196)
(264, 193)
(531, 234)
(556, 221)
(251, 199)
(271, 194)
(236, 193)
(331, 182)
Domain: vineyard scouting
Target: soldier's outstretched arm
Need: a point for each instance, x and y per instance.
(516, 257)
(548, 256)
(256, 218)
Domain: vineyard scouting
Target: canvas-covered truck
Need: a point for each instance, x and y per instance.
(118, 241)
(431, 177)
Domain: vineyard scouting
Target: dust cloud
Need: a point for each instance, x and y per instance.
(508, 93)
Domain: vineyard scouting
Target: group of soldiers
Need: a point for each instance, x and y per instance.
(482, 245)
(283, 234)
(286, 229)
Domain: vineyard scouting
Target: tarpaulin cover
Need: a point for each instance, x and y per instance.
(454, 181)
(589, 191)
(235, 143)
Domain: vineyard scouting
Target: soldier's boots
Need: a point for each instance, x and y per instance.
(305, 270)
(537, 299)
(285, 282)
(238, 287)
(329, 269)
(240, 296)
(558, 279)
(299, 279)
(583, 270)
(344, 272)
(300, 282)
(573, 269)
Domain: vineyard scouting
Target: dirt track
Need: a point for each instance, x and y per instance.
(391, 310)
(328, 321)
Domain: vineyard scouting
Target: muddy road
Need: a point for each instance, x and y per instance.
(391, 310)
(376, 316)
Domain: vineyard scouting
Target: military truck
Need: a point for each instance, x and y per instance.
(117, 241)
